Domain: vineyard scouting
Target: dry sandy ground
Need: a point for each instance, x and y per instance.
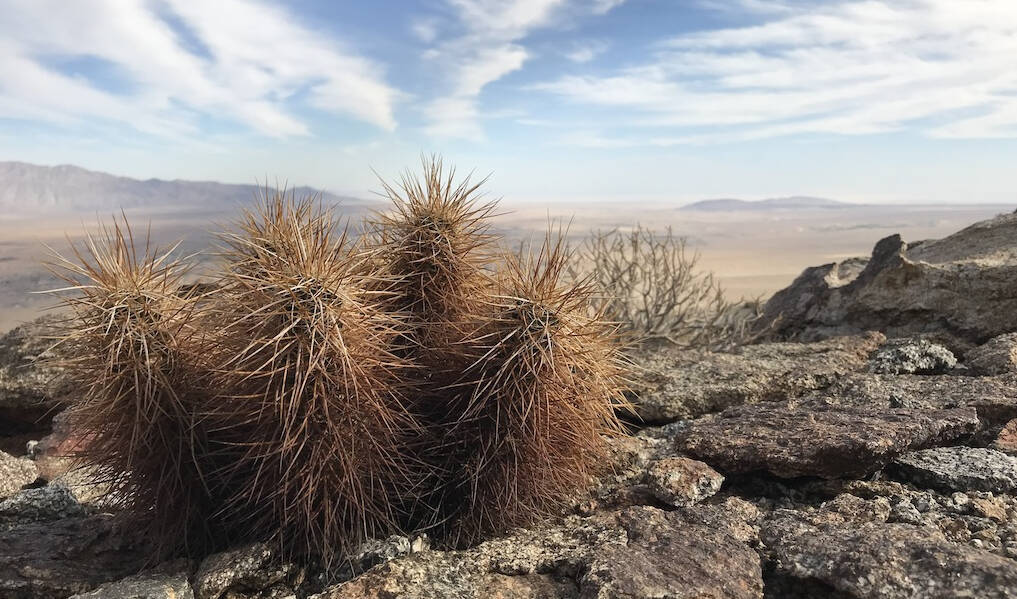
(752, 253)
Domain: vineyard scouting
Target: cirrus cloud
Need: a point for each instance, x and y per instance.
(940, 67)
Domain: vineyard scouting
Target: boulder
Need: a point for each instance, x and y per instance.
(250, 569)
(676, 384)
(143, 586)
(29, 384)
(870, 560)
(788, 440)
(15, 473)
(681, 482)
(996, 356)
(964, 285)
(51, 502)
(912, 356)
(53, 560)
(958, 469)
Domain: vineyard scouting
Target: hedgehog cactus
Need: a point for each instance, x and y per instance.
(326, 391)
(132, 351)
(543, 391)
(312, 428)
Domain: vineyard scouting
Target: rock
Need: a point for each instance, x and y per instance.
(889, 561)
(912, 356)
(28, 387)
(15, 473)
(51, 502)
(250, 569)
(964, 285)
(53, 560)
(958, 469)
(855, 509)
(661, 559)
(995, 398)
(144, 586)
(686, 384)
(816, 440)
(682, 482)
(640, 552)
(373, 552)
(996, 356)
(1006, 440)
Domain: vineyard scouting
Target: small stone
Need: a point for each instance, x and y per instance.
(912, 356)
(682, 482)
(1006, 440)
(906, 513)
(853, 508)
(989, 508)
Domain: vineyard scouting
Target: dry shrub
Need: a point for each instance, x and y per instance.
(131, 350)
(541, 396)
(311, 429)
(653, 287)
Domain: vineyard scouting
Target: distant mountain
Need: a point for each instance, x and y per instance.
(31, 188)
(788, 203)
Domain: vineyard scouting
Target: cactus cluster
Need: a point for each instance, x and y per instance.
(327, 389)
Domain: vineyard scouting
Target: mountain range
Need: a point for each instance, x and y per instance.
(788, 203)
(30, 188)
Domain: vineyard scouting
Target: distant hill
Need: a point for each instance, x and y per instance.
(30, 188)
(788, 203)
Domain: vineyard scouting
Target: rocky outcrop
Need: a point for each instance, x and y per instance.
(684, 384)
(852, 560)
(964, 286)
(638, 552)
(789, 440)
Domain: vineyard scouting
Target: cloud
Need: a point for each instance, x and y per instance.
(586, 51)
(939, 67)
(488, 49)
(181, 62)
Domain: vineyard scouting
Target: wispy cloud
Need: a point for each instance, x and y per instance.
(586, 51)
(180, 61)
(941, 67)
(488, 49)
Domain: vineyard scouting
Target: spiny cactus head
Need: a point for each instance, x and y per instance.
(545, 386)
(128, 342)
(315, 436)
(436, 238)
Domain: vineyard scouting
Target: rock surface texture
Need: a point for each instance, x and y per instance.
(849, 467)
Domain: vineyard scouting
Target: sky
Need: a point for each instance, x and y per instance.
(559, 100)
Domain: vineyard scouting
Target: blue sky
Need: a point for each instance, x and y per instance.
(562, 100)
